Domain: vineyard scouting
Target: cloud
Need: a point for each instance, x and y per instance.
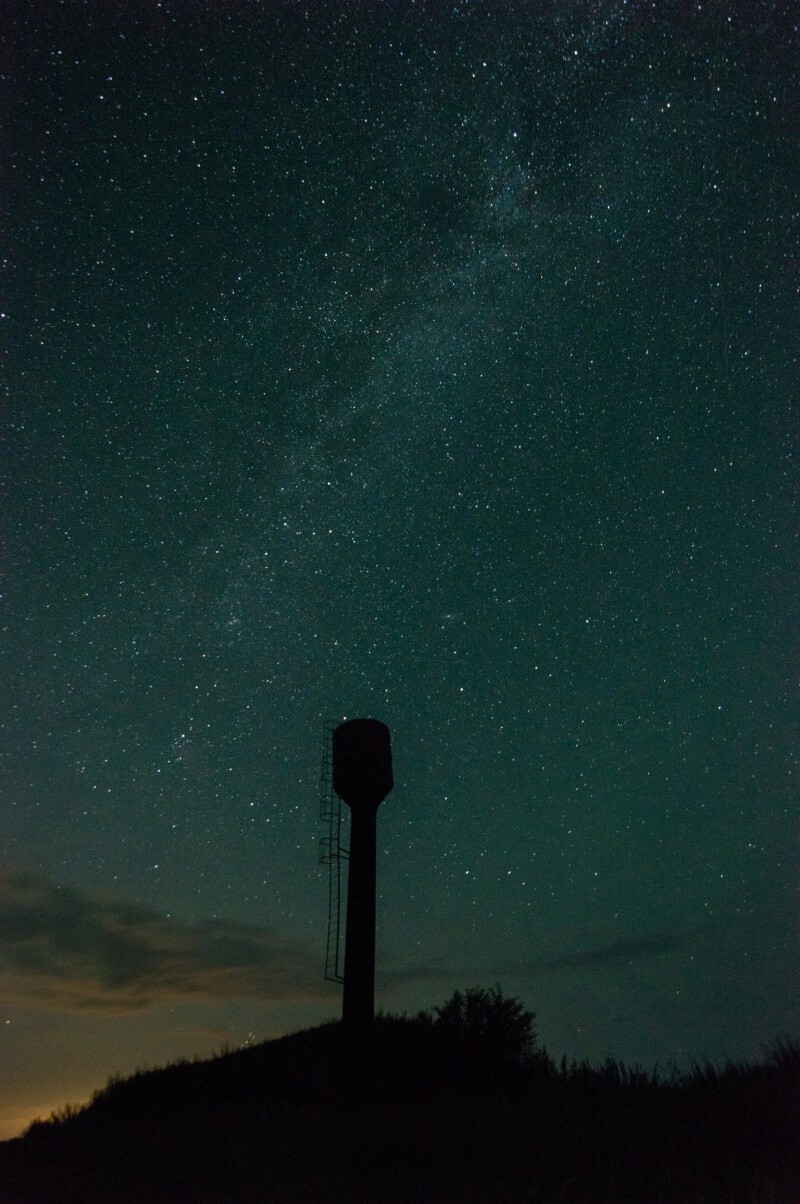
(617, 953)
(622, 952)
(80, 951)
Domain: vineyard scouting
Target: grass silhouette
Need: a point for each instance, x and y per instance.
(457, 1105)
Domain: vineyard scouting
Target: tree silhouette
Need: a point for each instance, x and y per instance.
(483, 1015)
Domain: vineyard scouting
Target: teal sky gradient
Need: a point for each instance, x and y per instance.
(423, 361)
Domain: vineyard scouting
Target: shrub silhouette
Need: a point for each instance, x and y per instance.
(483, 1016)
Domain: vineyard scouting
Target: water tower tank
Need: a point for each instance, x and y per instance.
(362, 762)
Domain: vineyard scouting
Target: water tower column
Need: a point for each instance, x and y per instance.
(358, 999)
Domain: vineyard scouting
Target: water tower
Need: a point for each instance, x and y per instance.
(361, 775)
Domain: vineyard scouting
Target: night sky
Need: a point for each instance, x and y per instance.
(423, 361)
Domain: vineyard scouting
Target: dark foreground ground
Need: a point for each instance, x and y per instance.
(409, 1113)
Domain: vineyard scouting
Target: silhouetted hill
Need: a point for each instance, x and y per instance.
(415, 1111)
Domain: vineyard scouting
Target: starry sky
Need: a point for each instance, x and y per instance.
(428, 361)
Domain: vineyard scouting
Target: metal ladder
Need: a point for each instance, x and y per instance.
(331, 853)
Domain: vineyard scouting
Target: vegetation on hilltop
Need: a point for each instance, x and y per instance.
(459, 1104)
